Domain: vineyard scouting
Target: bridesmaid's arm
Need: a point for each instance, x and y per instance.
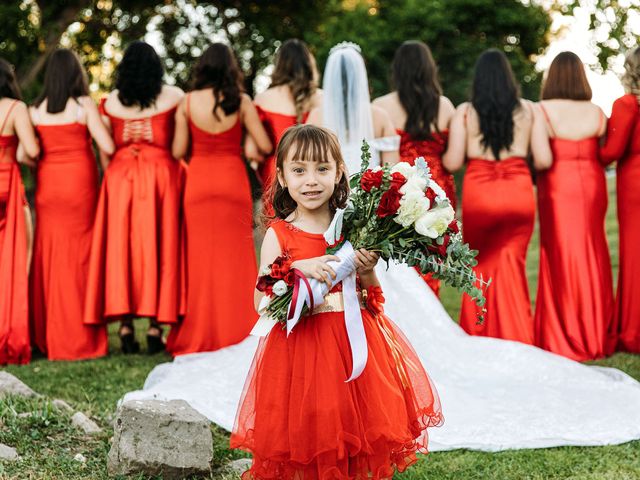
(259, 140)
(382, 118)
(540, 148)
(453, 158)
(315, 117)
(619, 129)
(26, 135)
(180, 145)
(269, 251)
(97, 128)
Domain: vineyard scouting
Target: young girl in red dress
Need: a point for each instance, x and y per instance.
(298, 416)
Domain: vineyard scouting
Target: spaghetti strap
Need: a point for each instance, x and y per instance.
(546, 117)
(4, 123)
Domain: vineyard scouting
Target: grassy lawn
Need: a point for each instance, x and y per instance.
(47, 443)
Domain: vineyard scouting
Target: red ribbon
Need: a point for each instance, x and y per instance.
(296, 291)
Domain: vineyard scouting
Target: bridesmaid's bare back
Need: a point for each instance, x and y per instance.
(168, 98)
(280, 100)
(573, 119)
(391, 104)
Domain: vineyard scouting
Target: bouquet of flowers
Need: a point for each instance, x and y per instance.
(401, 213)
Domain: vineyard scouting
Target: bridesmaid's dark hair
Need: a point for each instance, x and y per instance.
(139, 76)
(566, 78)
(218, 69)
(64, 79)
(295, 67)
(415, 78)
(8, 84)
(495, 96)
(311, 143)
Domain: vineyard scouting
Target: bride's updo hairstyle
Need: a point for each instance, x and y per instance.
(295, 67)
(313, 144)
(415, 78)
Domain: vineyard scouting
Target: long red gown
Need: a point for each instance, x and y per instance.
(134, 267)
(498, 214)
(66, 197)
(623, 146)
(14, 317)
(301, 420)
(574, 305)
(220, 254)
(431, 150)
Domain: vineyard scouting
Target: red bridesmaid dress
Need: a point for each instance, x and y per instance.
(66, 196)
(431, 150)
(498, 214)
(623, 146)
(14, 317)
(134, 267)
(574, 306)
(301, 420)
(218, 224)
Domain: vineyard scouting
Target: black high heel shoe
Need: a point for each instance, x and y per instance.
(154, 342)
(128, 342)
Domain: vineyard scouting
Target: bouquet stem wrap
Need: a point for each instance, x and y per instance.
(311, 293)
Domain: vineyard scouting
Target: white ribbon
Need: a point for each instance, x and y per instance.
(346, 273)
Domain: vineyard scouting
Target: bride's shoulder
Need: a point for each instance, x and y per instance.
(387, 100)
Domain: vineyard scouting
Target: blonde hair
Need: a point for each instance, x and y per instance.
(631, 77)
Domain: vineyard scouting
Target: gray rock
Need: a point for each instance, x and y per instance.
(62, 405)
(239, 466)
(80, 458)
(8, 453)
(83, 422)
(10, 385)
(155, 437)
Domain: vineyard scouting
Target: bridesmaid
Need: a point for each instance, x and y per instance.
(134, 265)
(421, 115)
(495, 131)
(66, 120)
(217, 205)
(623, 146)
(293, 93)
(15, 220)
(574, 306)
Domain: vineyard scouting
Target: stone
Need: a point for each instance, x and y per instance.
(8, 453)
(61, 405)
(83, 422)
(165, 438)
(80, 458)
(10, 385)
(239, 466)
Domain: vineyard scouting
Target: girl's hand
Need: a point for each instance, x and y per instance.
(365, 261)
(317, 268)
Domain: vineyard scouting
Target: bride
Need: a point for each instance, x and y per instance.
(496, 394)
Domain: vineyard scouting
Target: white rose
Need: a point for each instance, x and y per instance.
(414, 184)
(280, 288)
(266, 270)
(435, 222)
(413, 205)
(440, 193)
(405, 169)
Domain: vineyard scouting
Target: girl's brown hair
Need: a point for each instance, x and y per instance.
(64, 79)
(309, 143)
(294, 67)
(566, 79)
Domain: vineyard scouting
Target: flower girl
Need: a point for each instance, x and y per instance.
(299, 416)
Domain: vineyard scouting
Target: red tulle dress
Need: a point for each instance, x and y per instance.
(301, 420)
(134, 268)
(431, 150)
(498, 214)
(14, 317)
(574, 306)
(66, 196)
(623, 146)
(220, 254)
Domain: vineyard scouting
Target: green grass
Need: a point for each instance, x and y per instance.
(47, 443)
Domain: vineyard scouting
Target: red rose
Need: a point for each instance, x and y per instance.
(389, 203)
(276, 272)
(290, 278)
(430, 194)
(264, 283)
(371, 179)
(453, 227)
(397, 180)
(440, 249)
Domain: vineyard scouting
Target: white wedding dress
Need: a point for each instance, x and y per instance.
(495, 394)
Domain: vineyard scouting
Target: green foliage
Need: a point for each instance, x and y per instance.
(457, 31)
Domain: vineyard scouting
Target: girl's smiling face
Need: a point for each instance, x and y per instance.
(310, 183)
